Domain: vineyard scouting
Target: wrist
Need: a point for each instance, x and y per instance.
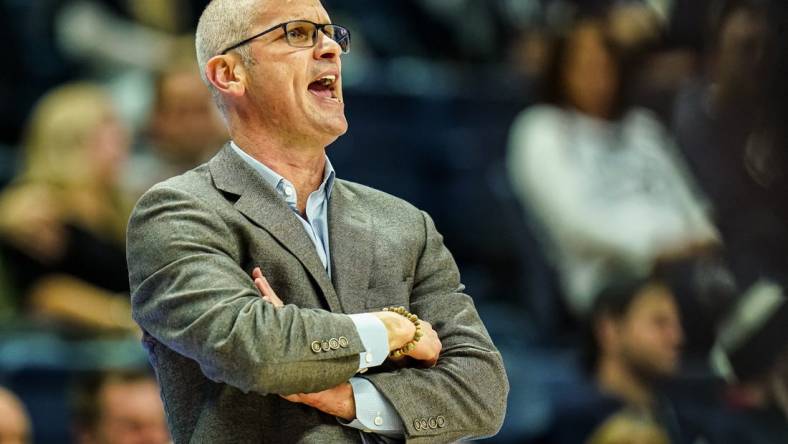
(417, 334)
(400, 330)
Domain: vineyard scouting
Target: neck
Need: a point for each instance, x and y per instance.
(301, 164)
(616, 378)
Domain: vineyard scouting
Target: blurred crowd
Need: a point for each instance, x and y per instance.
(611, 176)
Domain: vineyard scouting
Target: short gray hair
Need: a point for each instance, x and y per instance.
(223, 23)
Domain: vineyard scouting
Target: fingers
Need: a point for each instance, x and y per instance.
(266, 291)
(258, 283)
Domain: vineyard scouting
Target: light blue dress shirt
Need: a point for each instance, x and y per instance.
(373, 411)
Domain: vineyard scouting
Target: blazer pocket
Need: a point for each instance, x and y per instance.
(394, 294)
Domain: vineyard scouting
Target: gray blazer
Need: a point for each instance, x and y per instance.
(222, 354)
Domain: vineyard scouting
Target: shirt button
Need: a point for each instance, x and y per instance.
(378, 420)
(368, 358)
(288, 191)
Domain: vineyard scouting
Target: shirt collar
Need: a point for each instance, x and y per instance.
(275, 180)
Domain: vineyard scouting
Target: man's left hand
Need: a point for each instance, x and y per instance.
(337, 401)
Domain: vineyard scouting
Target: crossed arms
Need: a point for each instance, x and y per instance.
(190, 292)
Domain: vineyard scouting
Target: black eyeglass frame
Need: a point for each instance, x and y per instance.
(319, 27)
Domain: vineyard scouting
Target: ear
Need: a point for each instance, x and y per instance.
(227, 75)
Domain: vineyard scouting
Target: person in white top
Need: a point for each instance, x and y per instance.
(605, 189)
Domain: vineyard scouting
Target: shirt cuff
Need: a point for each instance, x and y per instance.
(374, 413)
(374, 337)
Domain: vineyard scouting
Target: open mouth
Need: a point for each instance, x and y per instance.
(325, 87)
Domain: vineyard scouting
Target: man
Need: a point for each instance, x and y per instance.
(184, 128)
(638, 337)
(119, 407)
(235, 367)
(634, 341)
(14, 422)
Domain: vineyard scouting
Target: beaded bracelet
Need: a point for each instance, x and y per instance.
(410, 345)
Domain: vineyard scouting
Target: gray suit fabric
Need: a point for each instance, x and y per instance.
(222, 354)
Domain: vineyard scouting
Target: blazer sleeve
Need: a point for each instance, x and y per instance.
(189, 292)
(464, 395)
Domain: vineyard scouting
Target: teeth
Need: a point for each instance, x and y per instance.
(328, 80)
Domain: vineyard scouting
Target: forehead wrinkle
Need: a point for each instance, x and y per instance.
(272, 16)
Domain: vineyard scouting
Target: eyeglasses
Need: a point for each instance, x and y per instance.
(303, 34)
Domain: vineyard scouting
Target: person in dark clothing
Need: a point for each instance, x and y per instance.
(728, 126)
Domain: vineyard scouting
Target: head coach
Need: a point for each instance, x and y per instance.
(281, 304)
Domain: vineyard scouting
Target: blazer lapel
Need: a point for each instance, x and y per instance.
(260, 203)
(352, 247)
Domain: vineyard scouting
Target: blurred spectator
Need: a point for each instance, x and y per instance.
(54, 41)
(14, 422)
(26, 30)
(121, 43)
(629, 428)
(185, 128)
(119, 407)
(731, 126)
(633, 344)
(101, 36)
(62, 220)
(601, 181)
(637, 338)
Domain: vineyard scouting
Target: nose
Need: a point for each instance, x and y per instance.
(326, 47)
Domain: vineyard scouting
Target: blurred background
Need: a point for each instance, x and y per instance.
(611, 177)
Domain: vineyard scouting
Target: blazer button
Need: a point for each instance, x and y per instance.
(423, 424)
(441, 421)
(417, 424)
(324, 345)
(343, 342)
(315, 346)
(433, 423)
(333, 343)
